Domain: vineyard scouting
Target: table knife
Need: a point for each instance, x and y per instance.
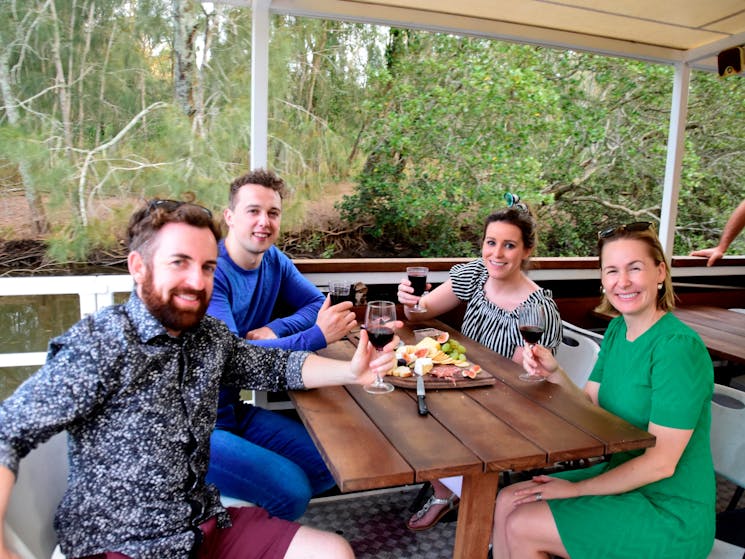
(422, 405)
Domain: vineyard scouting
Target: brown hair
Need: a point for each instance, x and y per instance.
(520, 217)
(148, 220)
(262, 177)
(648, 236)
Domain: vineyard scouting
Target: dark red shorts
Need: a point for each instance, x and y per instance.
(254, 535)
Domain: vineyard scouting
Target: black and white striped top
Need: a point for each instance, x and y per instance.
(493, 326)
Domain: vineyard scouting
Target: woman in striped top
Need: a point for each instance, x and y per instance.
(493, 287)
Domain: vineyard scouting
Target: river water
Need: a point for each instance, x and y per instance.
(28, 322)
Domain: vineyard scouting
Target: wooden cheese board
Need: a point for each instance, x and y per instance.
(436, 383)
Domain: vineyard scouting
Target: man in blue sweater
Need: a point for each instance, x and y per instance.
(258, 455)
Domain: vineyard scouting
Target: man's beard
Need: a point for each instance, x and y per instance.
(171, 317)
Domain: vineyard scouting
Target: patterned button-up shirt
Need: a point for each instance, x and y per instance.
(139, 406)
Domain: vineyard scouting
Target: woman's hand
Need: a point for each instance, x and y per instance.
(539, 361)
(406, 293)
(544, 488)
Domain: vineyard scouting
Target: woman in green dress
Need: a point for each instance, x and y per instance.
(656, 373)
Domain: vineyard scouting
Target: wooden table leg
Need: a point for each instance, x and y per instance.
(475, 515)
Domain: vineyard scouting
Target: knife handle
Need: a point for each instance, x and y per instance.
(422, 405)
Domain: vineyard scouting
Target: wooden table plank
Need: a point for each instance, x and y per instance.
(614, 433)
(497, 444)
(721, 330)
(357, 454)
(428, 447)
(713, 317)
(538, 425)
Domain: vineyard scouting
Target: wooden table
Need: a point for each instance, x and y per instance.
(374, 441)
(722, 330)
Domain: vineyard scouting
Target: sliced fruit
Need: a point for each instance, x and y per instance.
(472, 371)
(442, 337)
(421, 352)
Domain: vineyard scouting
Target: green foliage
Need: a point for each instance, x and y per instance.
(434, 127)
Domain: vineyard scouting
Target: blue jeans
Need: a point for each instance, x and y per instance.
(269, 460)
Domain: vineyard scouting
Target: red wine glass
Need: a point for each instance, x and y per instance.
(380, 320)
(532, 324)
(418, 278)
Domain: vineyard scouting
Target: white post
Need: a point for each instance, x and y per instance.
(675, 146)
(259, 82)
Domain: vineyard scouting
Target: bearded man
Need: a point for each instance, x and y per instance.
(135, 386)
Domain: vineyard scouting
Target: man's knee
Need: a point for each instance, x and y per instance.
(311, 543)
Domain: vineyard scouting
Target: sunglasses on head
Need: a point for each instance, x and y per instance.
(613, 231)
(173, 205)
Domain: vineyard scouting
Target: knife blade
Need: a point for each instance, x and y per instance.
(421, 404)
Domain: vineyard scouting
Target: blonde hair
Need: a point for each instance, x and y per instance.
(648, 236)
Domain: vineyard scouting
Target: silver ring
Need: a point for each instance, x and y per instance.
(538, 497)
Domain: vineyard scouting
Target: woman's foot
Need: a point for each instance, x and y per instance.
(432, 511)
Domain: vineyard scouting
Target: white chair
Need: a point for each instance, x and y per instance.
(595, 336)
(728, 451)
(41, 482)
(577, 353)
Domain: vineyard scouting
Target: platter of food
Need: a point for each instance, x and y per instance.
(442, 364)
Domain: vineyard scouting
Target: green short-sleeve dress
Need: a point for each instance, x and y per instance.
(664, 377)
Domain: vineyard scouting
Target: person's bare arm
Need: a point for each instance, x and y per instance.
(732, 228)
(439, 301)
(320, 371)
(658, 462)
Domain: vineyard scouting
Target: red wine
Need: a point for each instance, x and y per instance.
(336, 299)
(531, 334)
(419, 283)
(380, 336)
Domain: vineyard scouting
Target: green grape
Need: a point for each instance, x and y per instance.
(446, 347)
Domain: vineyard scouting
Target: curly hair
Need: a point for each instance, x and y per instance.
(149, 219)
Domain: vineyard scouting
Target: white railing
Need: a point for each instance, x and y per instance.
(94, 293)
(97, 291)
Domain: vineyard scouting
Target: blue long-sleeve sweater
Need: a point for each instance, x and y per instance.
(245, 300)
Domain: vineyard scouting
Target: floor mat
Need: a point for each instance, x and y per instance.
(374, 523)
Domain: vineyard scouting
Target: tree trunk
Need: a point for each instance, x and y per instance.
(100, 128)
(315, 69)
(184, 56)
(40, 224)
(61, 83)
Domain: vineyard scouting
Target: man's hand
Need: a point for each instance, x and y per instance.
(335, 321)
(367, 361)
(263, 333)
(713, 254)
(6, 553)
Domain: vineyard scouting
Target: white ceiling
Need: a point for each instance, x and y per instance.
(668, 31)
